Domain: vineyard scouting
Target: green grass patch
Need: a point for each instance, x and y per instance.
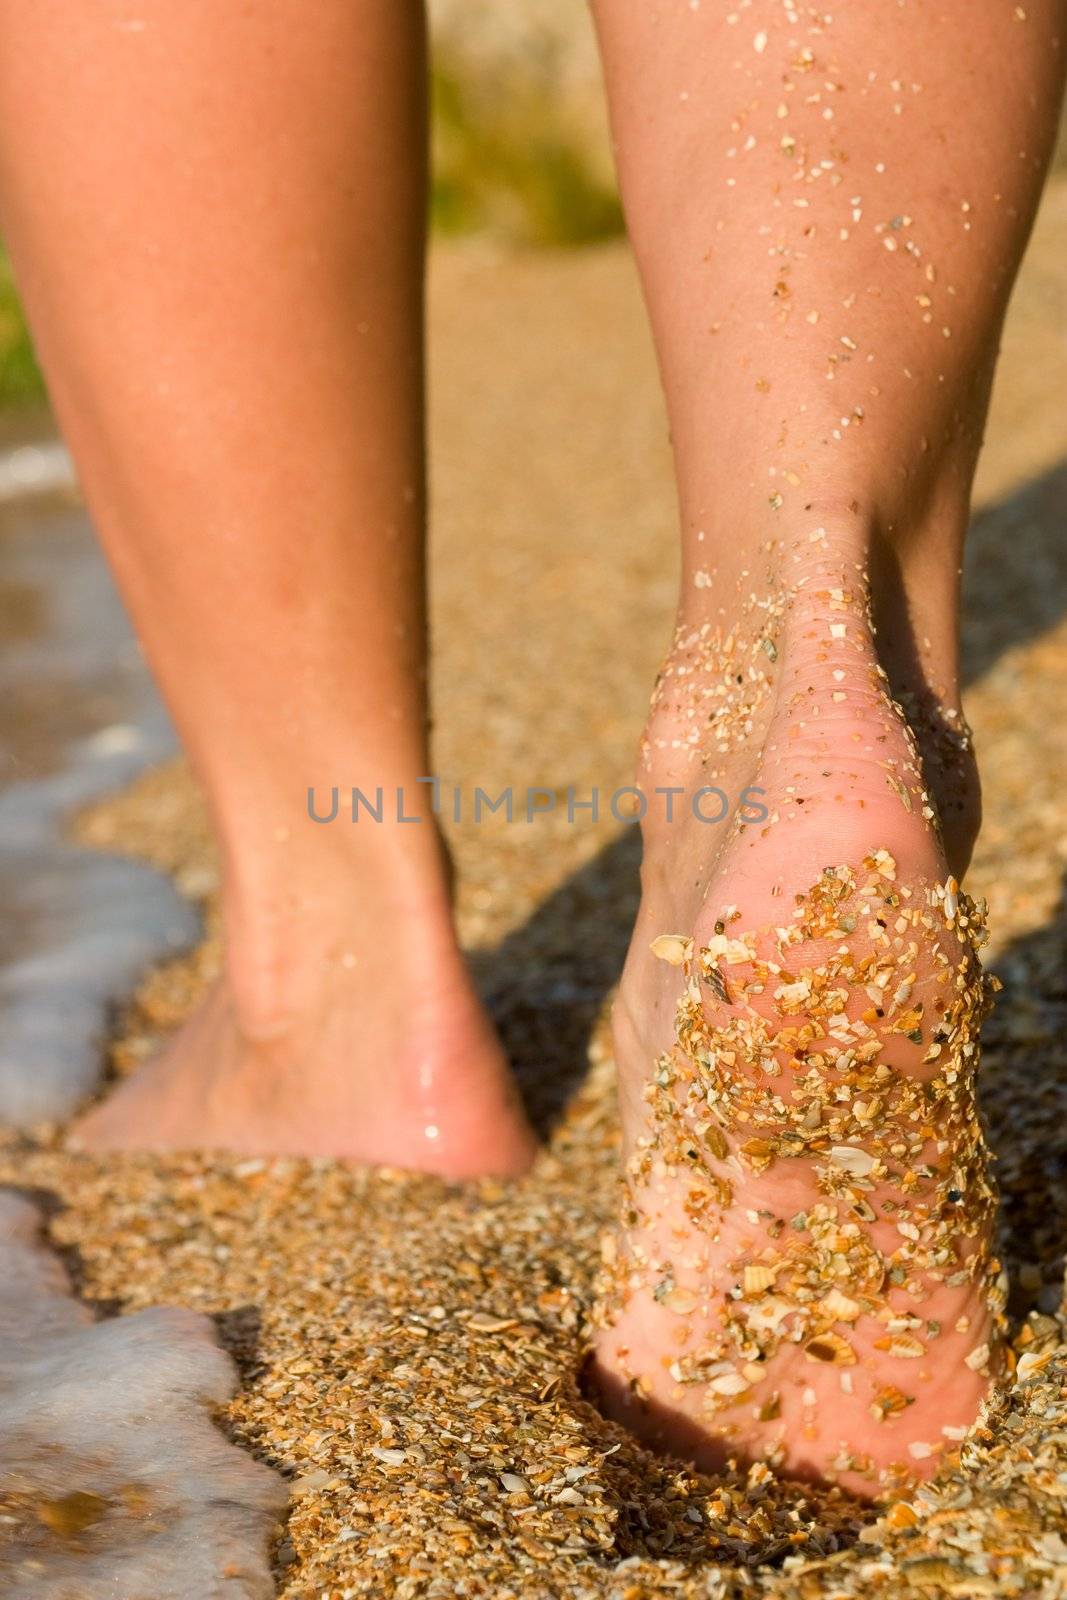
(20, 376)
(502, 163)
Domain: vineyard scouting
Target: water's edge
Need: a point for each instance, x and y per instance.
(79, 717)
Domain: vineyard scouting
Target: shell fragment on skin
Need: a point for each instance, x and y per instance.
(721, 948)
(768, 1313)
(715, 1140)
(905, 1344)
(831, 1349)
(866, 1110)
(978, 1357)
(885, 864)
(757, 1277)
(680, 1301)
(900, 1324)
(793, 995)
(729, 1383)
(855, 1161)
(1033, 1361)
(673, 948)
(839, 1307)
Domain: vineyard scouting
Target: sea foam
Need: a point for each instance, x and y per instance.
(80, 928)
(113, 1479)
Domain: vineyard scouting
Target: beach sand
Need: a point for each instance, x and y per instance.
(408, 1350)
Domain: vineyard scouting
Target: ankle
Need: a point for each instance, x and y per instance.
(834, 615)
(304, 922)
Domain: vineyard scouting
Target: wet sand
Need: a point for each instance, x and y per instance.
(409, 1350)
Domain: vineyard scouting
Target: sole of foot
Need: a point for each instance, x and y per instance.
(804, 1270)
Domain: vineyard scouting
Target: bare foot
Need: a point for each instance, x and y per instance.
(804, 1272)
(379, 1052)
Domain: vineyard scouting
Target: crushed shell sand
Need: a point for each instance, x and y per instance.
(407, 1350)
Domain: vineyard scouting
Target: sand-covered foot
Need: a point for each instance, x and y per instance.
(382, 1054)
(804, 1272)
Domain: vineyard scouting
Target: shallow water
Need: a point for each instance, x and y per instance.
(113, 1480)
(78, 717)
